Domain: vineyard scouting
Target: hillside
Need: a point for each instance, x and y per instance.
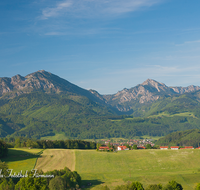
(39, 114)
(181, 138)
(42, 104)
(178, 103)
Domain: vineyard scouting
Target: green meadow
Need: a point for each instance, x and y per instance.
(146, 166)
(22, 158)
(184, 114)
(114, 168)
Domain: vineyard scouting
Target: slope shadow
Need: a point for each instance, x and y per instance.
(19, 155)
(87, 184)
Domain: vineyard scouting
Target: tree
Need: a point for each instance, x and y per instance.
(135, 146)
(7, 184)
(130, 186)
(173, 185)
(32, 183)
(148, 146)
(197, 187)
(154, 187)
(4, 168)
(57, 183)
(17, 143)
(3, 149)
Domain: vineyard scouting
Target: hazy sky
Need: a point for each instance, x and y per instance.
(106, 45)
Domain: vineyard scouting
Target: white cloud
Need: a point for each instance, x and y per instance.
(109, 82)
(192, 42)
(55, 11)
(120, 6)
(91, 8)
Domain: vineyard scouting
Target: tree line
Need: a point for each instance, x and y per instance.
(171, 185)
(19, 142)
(3, 149)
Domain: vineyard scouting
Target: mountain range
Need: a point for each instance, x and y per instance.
(43, 104)
(124, 100)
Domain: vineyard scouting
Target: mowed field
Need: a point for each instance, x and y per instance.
(56, 159)
(112, 169)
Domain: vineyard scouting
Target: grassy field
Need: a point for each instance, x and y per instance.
(185, 114)
(58, 136)
(52, 159)
(22, 158)
(146, 166)
(104, 168)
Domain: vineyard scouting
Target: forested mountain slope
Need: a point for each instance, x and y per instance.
(181, 138)
(42, 104)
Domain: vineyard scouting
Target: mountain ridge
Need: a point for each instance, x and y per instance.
(43, 104)
(146, 92)
(124, 100)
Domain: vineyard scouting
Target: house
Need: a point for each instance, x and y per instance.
(189, 147)
(163, 147)
(174, 147)
(141, 147)
(104, 148)
(122, 148)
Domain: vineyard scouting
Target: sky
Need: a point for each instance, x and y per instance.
(105, 45)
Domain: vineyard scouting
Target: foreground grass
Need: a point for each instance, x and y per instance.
(112, 169)
(22, 158)
(146, 166)
(52, 159)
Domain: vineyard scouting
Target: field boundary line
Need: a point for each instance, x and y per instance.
(39, 153)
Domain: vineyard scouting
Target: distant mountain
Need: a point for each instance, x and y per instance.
(142, 94)
(40, 81)
(126, 100)
(43, 104)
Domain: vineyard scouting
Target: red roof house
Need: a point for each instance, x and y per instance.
(174, 147)
(122, 148)
(163, 147)
(141, 147)
(189, 147)
(104, 148)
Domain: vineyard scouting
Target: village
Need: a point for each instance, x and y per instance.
(134, 144)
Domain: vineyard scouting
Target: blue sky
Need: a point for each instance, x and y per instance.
(106, 45)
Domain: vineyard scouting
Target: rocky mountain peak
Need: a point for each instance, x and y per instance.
(159, 86)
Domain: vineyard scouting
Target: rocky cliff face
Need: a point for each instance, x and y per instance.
(40, 81)
(147, 92)
(182, 90)
(18, 85)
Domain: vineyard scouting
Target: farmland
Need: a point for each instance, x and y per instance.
(22, 158)
(146, 166)
(108, 168)
(53, 159)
